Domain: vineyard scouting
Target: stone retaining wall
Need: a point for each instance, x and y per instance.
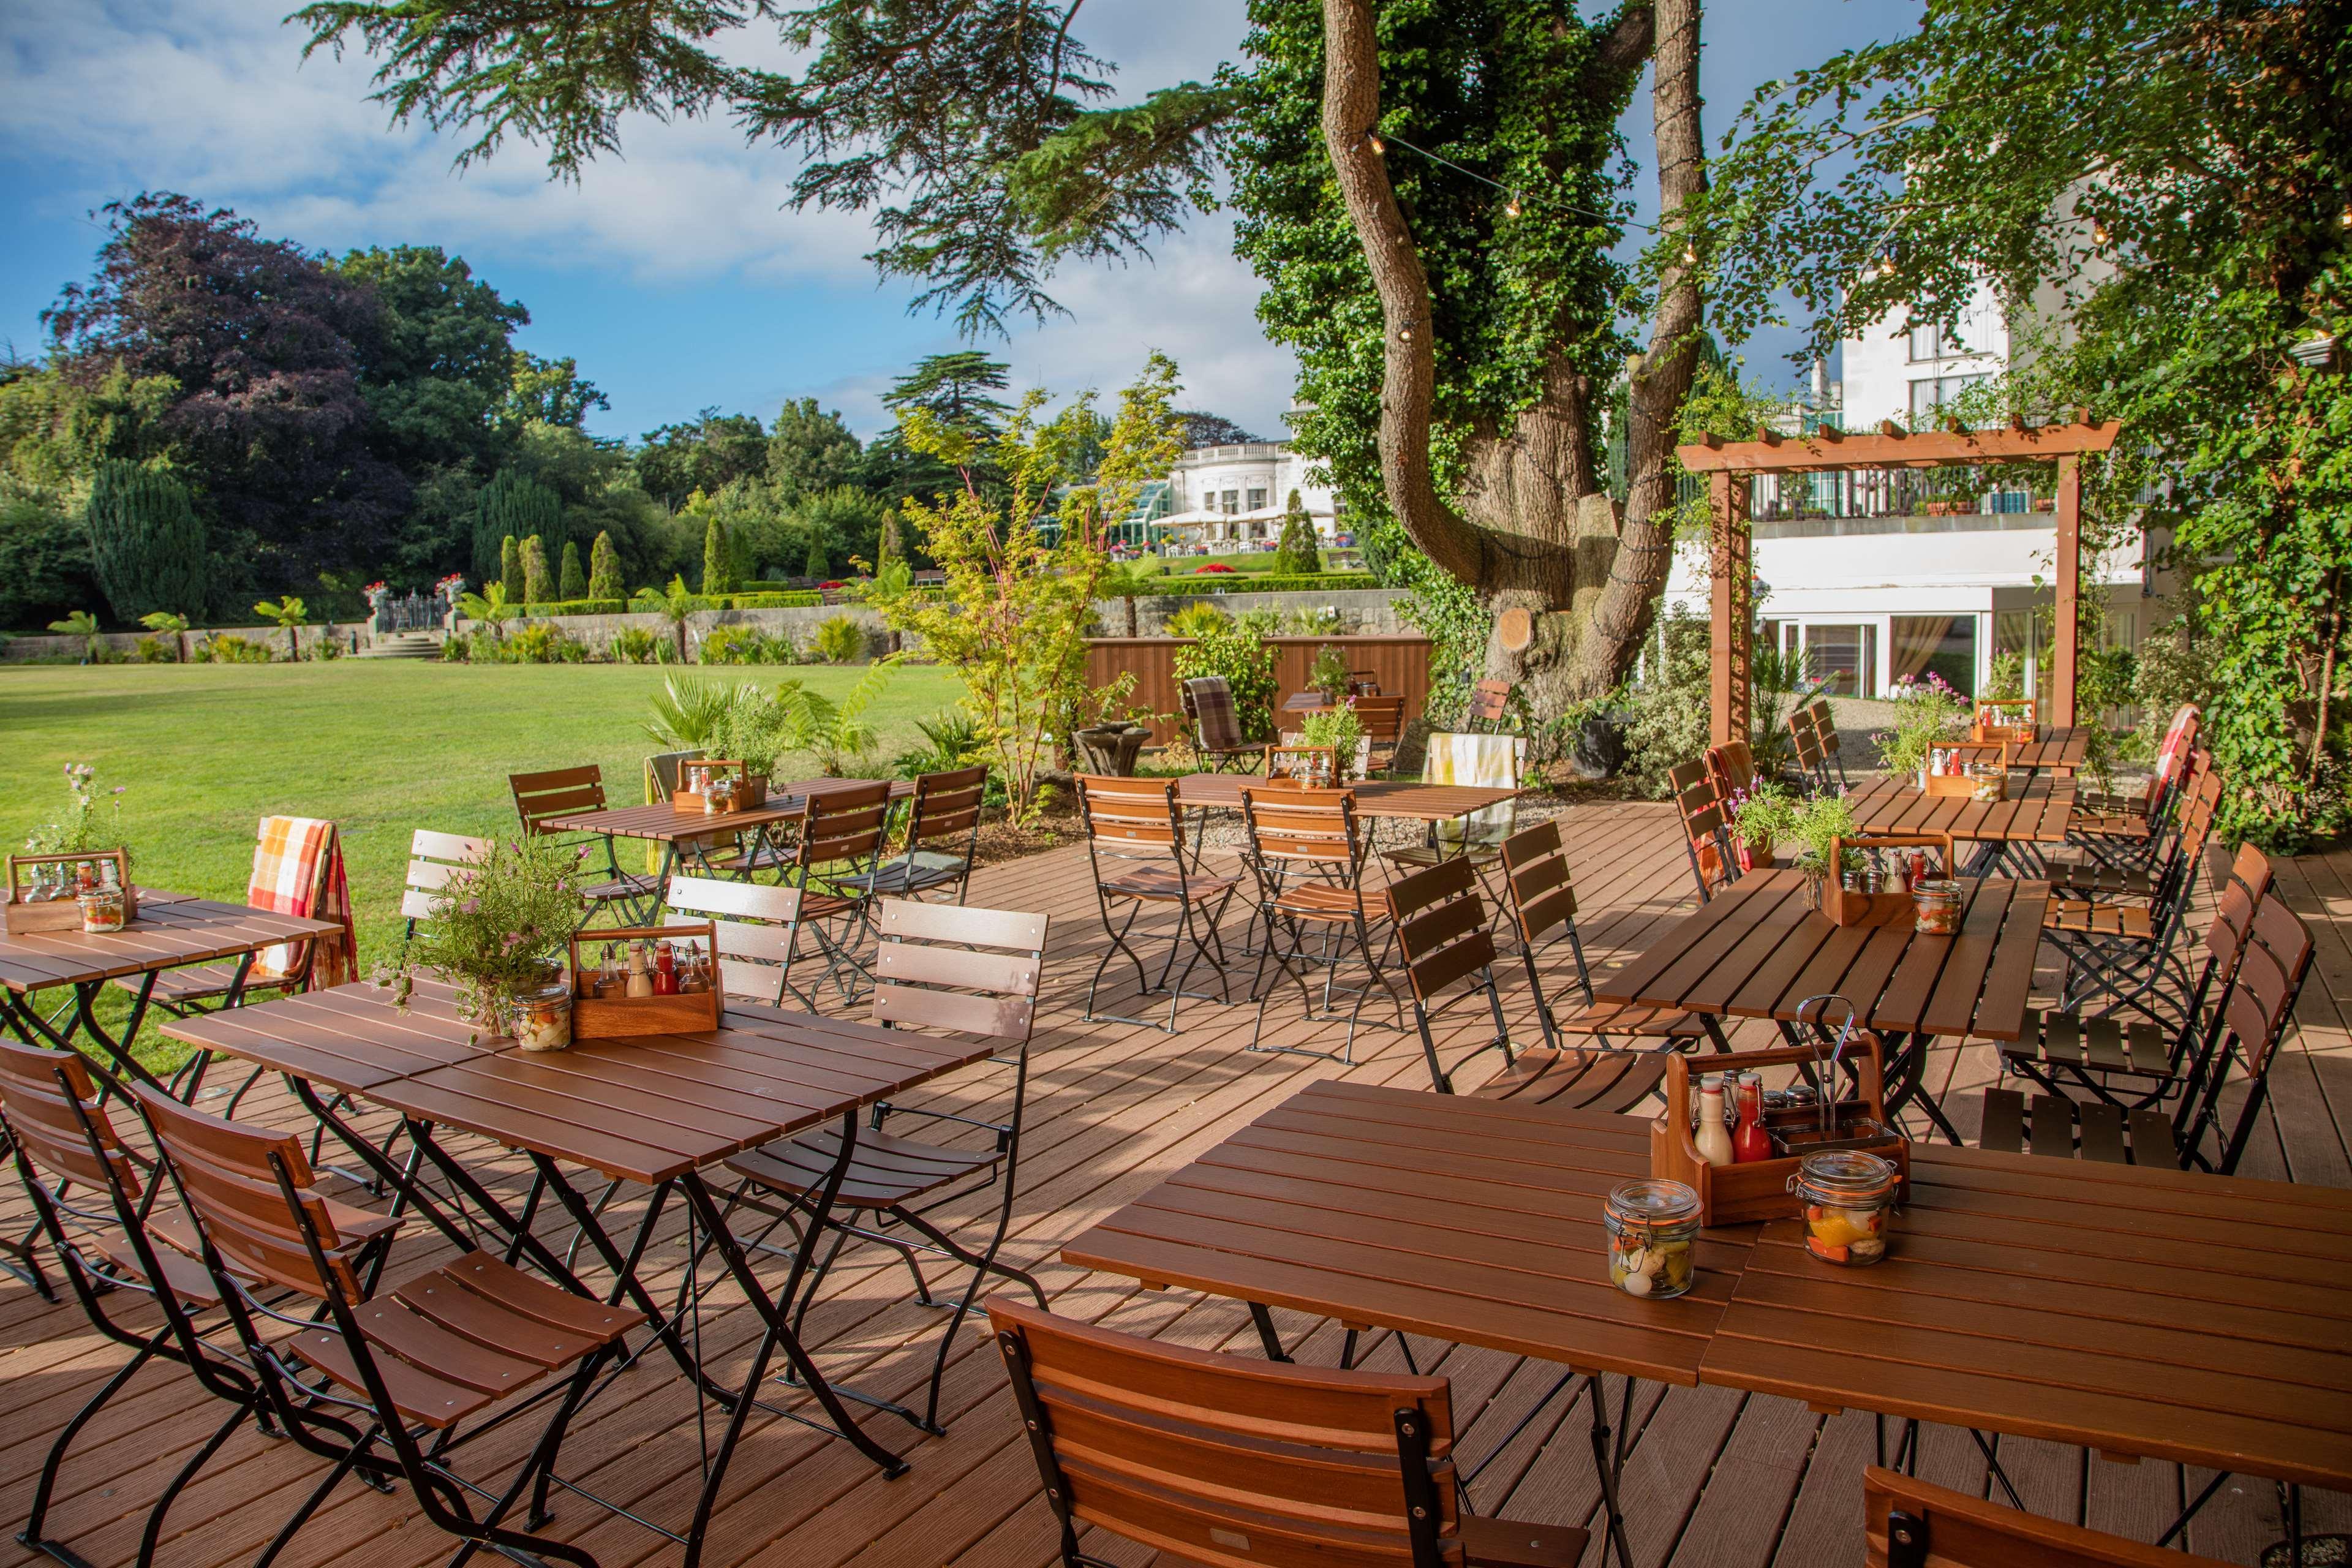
(21, 649)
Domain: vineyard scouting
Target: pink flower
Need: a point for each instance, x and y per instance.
(471, 905)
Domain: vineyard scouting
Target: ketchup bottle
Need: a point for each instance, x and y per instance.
(1749, 1142)
(665, 971)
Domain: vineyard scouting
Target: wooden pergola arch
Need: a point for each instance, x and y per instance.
(1730, 465)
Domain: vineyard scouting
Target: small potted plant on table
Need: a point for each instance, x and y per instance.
(1927, 714)
(1815, 826)
(1339, 729)
(496, 931)
(1762, 814)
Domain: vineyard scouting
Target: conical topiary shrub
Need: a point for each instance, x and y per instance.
(146, 541)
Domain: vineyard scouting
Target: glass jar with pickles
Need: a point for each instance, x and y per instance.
(1652, 1225)
(1849, 1200)
(1935, 906)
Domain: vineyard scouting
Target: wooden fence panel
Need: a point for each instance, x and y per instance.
(1401, 664)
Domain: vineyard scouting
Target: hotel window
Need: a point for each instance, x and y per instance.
(1930, 394)
(1926, 341)
(1232, 502)
(1257, 501)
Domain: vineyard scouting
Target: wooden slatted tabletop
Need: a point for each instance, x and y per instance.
(651, 1107)
(662, 823)
(2146, 1313)
(349, 1037)
(1470, 1220)
(2036, 812)
(1758, 948)
(1396, 798)
(171, 929)
(2054, 750)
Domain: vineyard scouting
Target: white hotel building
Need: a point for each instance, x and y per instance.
(1220, 500)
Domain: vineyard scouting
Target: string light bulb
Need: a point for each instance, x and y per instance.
(1886, 266)
(2343, 218)
(2098, 232)
(1378, 146)
(1404, 334)
(1690, 257)
(1511, 208)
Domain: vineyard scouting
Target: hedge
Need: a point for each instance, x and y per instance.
(1260, 583)
(719, 602)
(573, 607)
(799, 599)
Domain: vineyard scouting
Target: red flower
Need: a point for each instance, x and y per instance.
(835, 584)
(1212, 566)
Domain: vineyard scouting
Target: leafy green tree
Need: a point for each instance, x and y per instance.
(147, 541)
(707, 453)
(45, 563)
(511, 572)
(2156, 195)
(83, 625)
(1212, 430)
(1453, 357)
(847, 520)
(163, 623)
(549, 391)
(674, 605)
(1296, 553)
(604, 570)
(809, 450)
(535, 584)
(492, 607)
(513, 505)
(717, 558)
(599, 492)
(573, 583)
(437, 374)
(291, 614)
(956, 390)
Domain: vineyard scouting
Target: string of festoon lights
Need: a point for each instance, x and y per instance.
(1514, 198)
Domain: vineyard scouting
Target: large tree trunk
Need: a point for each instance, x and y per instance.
(1532, 529)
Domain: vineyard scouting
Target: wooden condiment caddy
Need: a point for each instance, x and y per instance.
(1744, 1194)
(1847, 908)
(19, 917)
(693, 775)
(1961, 784)
(2005, 718)
(595, 1017)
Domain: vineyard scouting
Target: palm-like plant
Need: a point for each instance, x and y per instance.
(1126, 581)
(83, 625)
(164, 622)
(288, 613)
(687, 710)
(837, 734)
(491, 606)
(674, 605)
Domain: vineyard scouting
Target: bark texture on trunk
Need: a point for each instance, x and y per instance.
(1533, 529)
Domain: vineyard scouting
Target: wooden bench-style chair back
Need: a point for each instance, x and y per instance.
(1293, 828)
(751, 922)
(2197, 813)
(251, 1192)
(2242, 893)
(1732, 766)
(433, 859)
(2270, 971)
(559, 791)
(2173, 757)
(1535, 871)
(842, 828)
(1706, 825)
(1912, 1523)
(1440, 927)
(1490, 703)
(1825, 726)
(1131, 819)
(1216, 1459)
(39, 1089)
(1381, 716)
(946, 806)
(949, 966)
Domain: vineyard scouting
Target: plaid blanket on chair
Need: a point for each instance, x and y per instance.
(298, 869)
(1219, 722)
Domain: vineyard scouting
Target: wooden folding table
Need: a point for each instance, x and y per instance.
(2146, 1313)
(2059, 749)
(657, 1110)
(1759, 950)
(1472, 1221)
(685, 834)
(2036, 812)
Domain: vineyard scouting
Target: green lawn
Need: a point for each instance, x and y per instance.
(382, 747)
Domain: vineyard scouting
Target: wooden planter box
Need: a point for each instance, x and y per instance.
(1851, 908)
(598, 1018)
(19, 917)
(750, 788)
(2005, 718)
(1744, 1194)
(1992, 787)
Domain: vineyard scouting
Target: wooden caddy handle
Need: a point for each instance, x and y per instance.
(1863, 1050)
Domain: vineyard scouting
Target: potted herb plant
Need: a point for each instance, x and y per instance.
(1329, 674)
(1762, 814)
(1814, 825)
(497, 929)
(1927, 714)
(1339, 729)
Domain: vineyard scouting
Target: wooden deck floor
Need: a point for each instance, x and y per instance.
(1715, 1480)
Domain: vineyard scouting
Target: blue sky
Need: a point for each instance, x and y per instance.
(672, 274)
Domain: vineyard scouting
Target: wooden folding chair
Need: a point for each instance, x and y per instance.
(1307, 853)
(1706, 827)
(377, 1382)
(1135, 824)
(1911, 1523)
(1382, 719)
(1812, 762)
(2126, 843)
(94, 1207)
(1444, 939)
(1208, 702)
(1210, 1458)
(1543, 908)
(942, 837)
(964, 972)
(832, 867)
(2255, 1009)
(2119, 949)
(1490, 705)
(573, 792)
(200, 987)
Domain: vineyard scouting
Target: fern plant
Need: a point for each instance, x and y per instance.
(839, 735)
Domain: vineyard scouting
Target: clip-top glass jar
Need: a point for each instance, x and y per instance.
(1849, 1196)
(1652, 1226)
(1935, 906)
(543, 1017)
(102, 910)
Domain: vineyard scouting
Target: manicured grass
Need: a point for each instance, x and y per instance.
(381, 747)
